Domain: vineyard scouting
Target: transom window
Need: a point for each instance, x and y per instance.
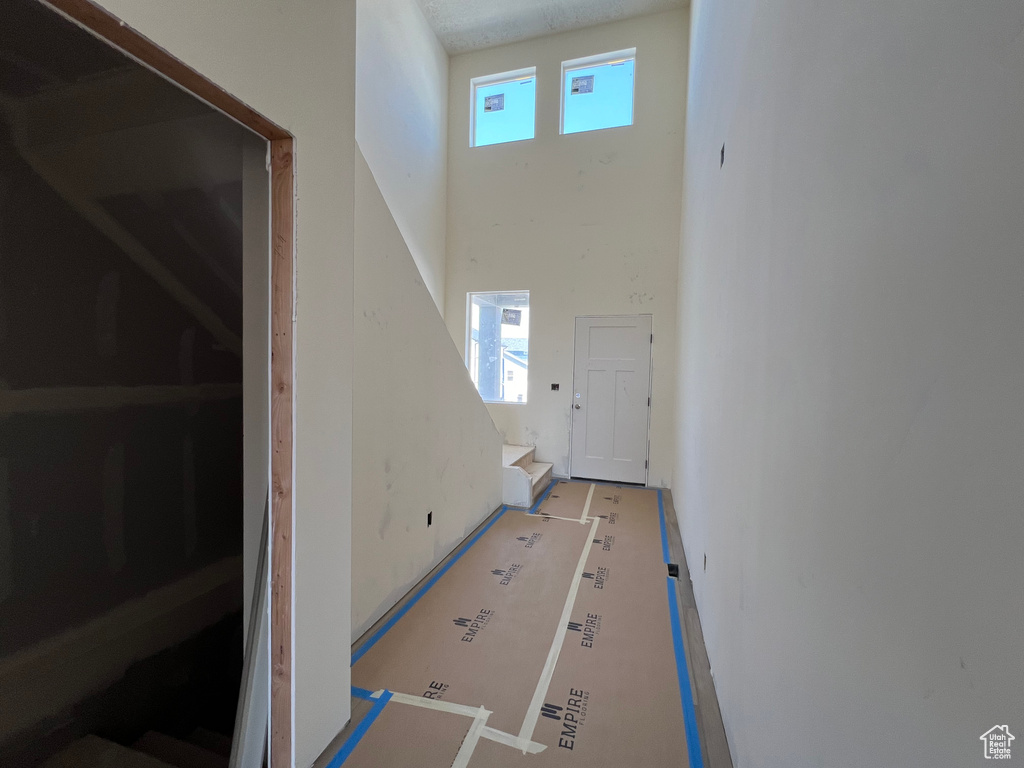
(597, 91)
(504, 107)
(498, 344)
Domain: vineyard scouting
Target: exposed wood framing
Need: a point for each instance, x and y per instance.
(59, 671)
(101, 105)
(95, 214)
(282, 400)
(63, 399)
(282, 324)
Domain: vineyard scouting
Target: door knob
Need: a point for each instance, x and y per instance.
(576, 406)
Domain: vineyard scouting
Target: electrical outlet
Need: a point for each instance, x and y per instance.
(430, 518)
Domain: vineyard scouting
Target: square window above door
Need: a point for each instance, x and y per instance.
(503, 107)
(597, 91)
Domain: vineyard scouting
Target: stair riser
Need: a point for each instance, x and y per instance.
(521, 461)
(526, 461)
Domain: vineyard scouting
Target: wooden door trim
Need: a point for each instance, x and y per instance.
(108, 27)
(282, 444)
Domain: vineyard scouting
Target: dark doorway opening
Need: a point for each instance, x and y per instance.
(123, 218)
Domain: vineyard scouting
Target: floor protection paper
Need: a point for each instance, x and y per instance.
(548, 642)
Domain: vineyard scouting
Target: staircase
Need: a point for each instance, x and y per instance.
(202, 749)
(522, 477)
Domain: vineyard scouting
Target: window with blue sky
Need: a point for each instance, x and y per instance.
(504, 107)
(597, 92)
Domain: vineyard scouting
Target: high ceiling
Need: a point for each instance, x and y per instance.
(466, 25)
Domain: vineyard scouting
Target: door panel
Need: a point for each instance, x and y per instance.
(597, 433)
(611, 387)
(624, 448)
(607, 342)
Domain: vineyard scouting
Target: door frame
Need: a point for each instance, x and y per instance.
(116, 33)
(650, 391)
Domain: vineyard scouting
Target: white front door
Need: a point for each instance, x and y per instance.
(611, 398)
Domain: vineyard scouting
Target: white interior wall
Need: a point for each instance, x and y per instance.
(295, 63)
(402, 125)
(589, 222)
(424, 440)
(850, 451)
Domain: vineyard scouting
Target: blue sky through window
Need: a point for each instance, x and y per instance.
(605, 102)
(505, 111)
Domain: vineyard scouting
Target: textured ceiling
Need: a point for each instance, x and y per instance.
(467, 25)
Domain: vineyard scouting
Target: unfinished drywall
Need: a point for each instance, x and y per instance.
(425, 442)
(588, 223)
(402, 125)
(295, 63)
(850, 451)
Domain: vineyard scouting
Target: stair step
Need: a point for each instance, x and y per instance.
(94, 752)
(521, 483)
(179, 753)
(540, 473)
(215, 742)
(516, 455)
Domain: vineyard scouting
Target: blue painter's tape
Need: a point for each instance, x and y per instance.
(689, 712)
(361, 693)
(360, 730)
(664, 533)
(358, 654)
(538, 502)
